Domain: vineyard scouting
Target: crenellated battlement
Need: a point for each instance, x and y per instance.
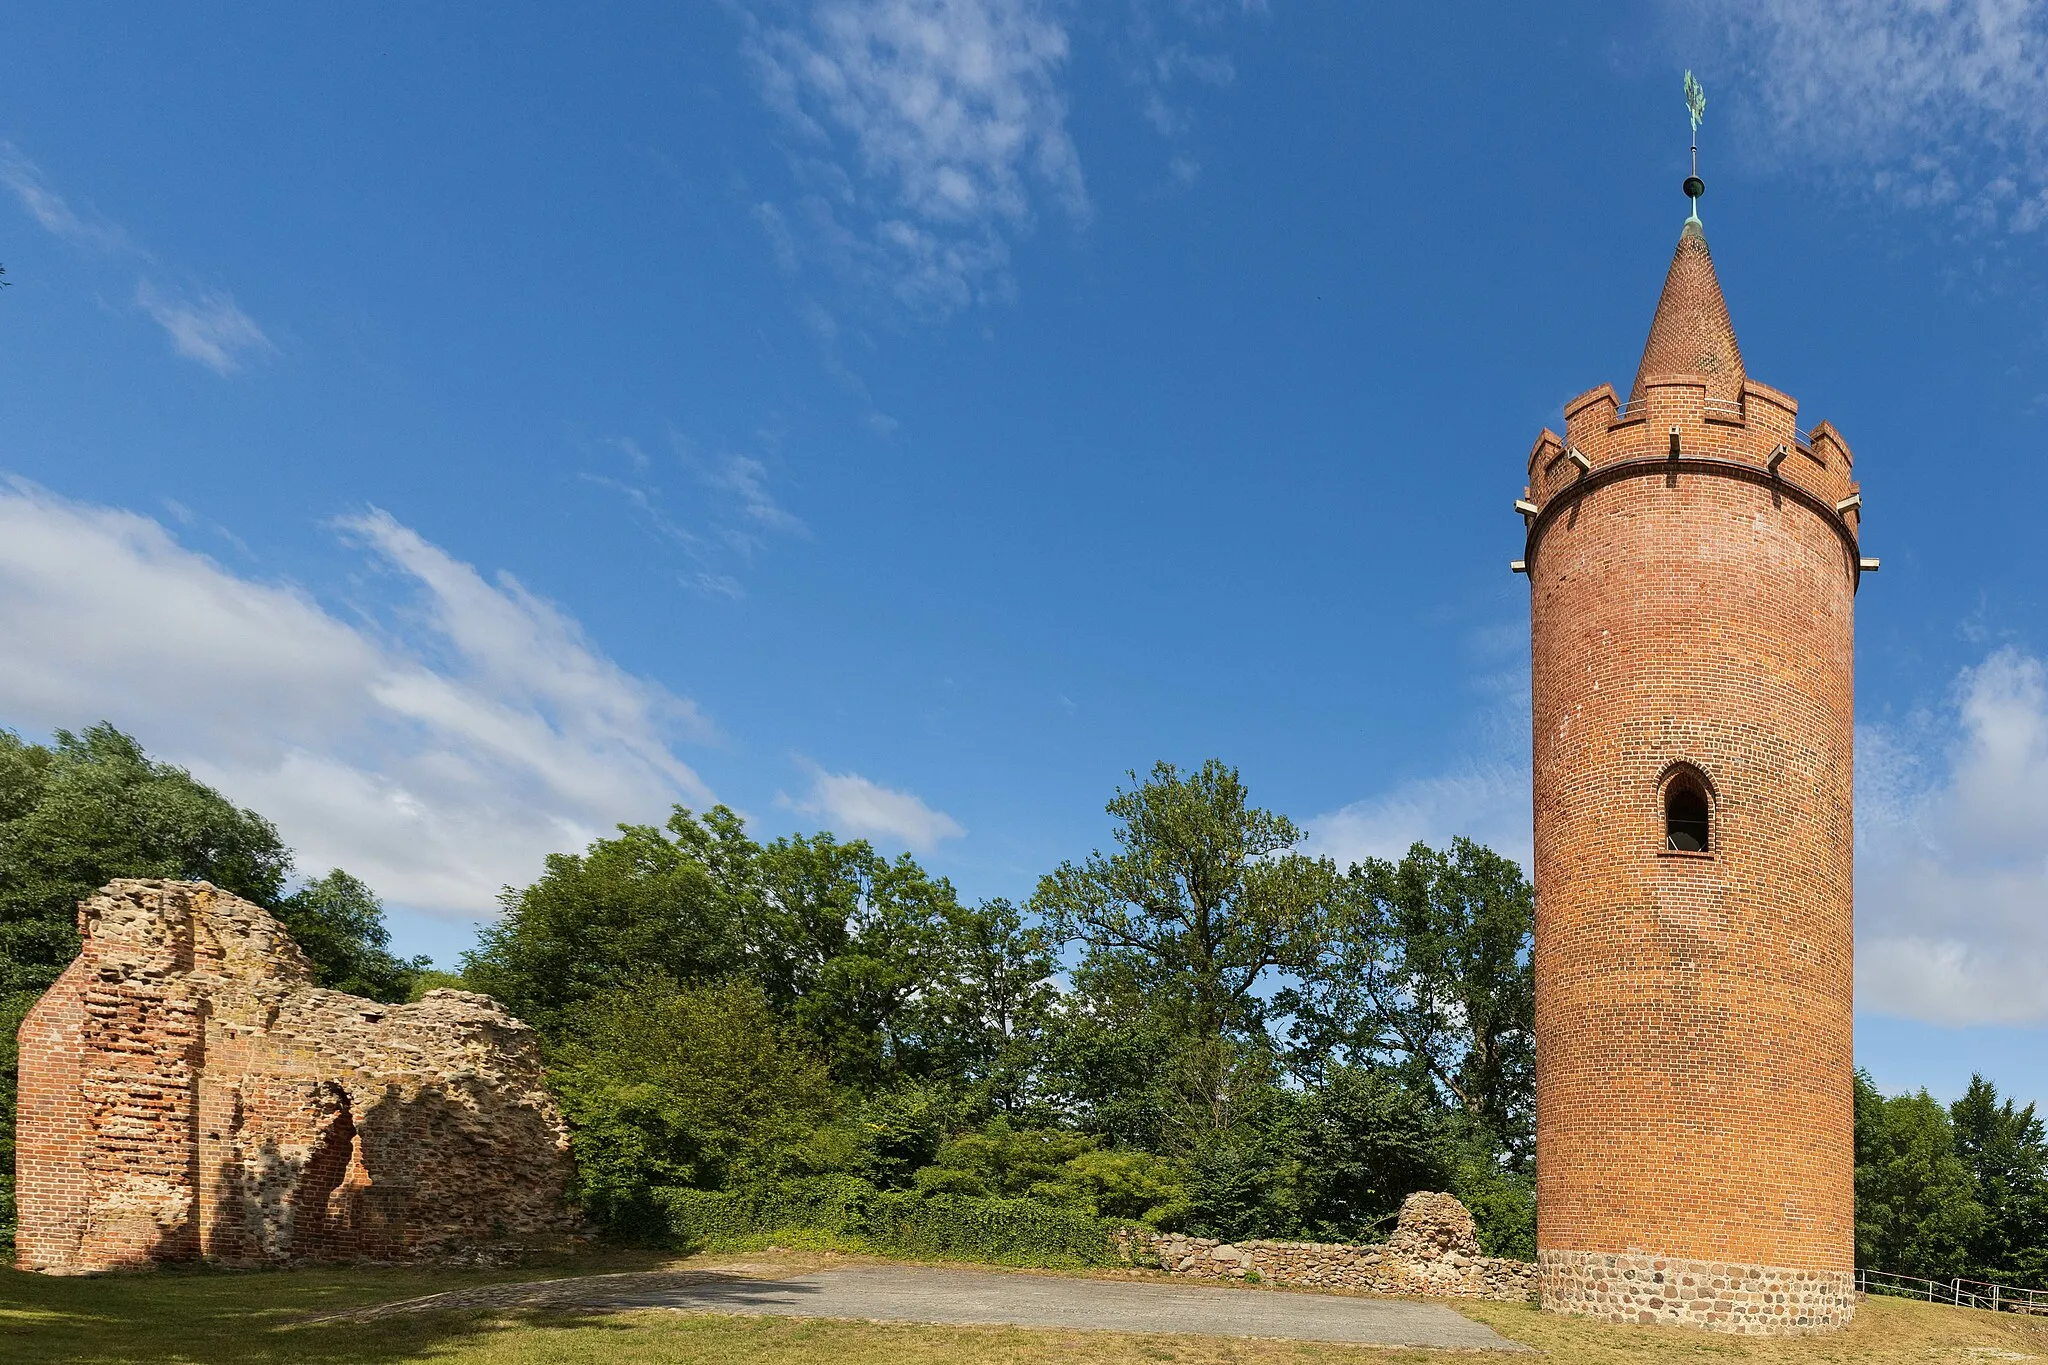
(1676, 416)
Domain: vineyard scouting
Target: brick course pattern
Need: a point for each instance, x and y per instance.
(1691, 618)
(1432, 1254)
(186, 1092)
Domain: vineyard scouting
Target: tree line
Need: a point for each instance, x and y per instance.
(1199, 1027)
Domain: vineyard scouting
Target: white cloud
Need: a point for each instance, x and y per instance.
(52, 211)
(438, 750)
(209, 329)
(1489, 803)
(1952, 854)
(1162, 67)
(746, 480)
(743, 514)
(1940, 102)
(854, 805)
(933, 127)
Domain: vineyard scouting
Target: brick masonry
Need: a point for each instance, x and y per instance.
(1692, 617)
(186, 1092)
(1432, 1254)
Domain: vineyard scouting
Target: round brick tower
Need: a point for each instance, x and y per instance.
(1693, 564)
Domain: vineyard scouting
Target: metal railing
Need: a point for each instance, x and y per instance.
(1999, 1298)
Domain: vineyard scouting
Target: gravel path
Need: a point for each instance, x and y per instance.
(914, 1293)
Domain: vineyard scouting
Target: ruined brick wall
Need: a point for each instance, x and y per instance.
(1693, 613)
(1434, 1253)
(186, 1091)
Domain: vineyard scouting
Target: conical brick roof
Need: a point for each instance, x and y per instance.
(1692, 333)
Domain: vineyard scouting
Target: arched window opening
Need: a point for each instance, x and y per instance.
(1686, 815)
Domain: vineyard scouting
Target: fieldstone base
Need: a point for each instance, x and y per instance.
(1755, 1300)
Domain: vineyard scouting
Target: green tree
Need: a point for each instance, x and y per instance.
(841, 941)
(669, 1085)
(339, 922)
(1002, 1159)
(887, 1136)
(1424, 965)
(847, 942)
(75, 814)
(1200, 902)
(647, 902)
(1916, 1208)
(2006, 1152)
(90, 807)
(984, 1013)
(1366, 1142)
(1182, 930)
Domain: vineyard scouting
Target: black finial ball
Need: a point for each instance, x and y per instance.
(1694, 187)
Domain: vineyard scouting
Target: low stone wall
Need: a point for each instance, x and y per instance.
(1752, 1300)
(1433, 1253)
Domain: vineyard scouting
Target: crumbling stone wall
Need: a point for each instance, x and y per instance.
(1434, 1253)
(186, 1091)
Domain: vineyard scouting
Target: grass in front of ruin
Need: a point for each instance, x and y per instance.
(246, 1317)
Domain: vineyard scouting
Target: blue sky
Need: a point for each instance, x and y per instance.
(453, 434)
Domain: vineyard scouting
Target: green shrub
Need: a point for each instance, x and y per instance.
(1126, 1184)
(1004, 1160)
(668, 1086)
(999, 1231)
(904, 1222)
(1503, 1208)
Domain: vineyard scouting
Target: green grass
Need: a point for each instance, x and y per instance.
(239, 1318)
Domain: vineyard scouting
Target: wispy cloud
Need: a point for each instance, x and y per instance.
(1937, 103)
(745, 480)
(437, 746)
(204, 325)
(1163, 65)
(1489, 803)
(53, 212)
(931, 132)
(1952, 853)
(853, 805)
(722, 534)
(209, 329)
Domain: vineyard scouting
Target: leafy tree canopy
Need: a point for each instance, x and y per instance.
(339, 922)
(2006, 1152)
(1424, 965)
(1201, 900)
(670, 1085)
(1916, 1206)
(90, 807)
(874, 959)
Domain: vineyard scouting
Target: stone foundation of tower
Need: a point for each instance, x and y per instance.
(1756, 1300)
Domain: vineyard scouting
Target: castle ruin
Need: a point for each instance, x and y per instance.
(186, 1091)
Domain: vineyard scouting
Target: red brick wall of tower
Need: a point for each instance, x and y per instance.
(1693, 1010)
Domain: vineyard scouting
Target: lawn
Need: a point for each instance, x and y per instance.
(229, 1318)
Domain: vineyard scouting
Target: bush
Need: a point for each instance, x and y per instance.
(905, 1222)
(1004, 1160)
(1127, 1185)
(1503, 1208)
(668, 1086)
